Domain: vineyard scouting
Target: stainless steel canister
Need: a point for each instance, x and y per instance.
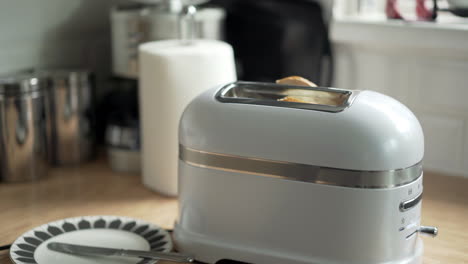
(71, 110)
(136, 23)
(23, 128)
(123, 148)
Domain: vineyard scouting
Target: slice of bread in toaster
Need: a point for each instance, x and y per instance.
(296, 80)
(308, 96)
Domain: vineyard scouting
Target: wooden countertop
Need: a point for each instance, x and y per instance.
(94, 189)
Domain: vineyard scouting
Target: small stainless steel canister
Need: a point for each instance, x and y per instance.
(23, 128)
(71, 110)
(123, 148)
(135, 23)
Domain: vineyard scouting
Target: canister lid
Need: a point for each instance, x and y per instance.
(63, 72)
(21, 83)
(130, 7)
(74, 75)
(164, 6)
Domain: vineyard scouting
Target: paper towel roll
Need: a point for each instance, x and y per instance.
(171, 75)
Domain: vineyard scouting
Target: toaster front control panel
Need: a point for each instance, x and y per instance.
(410, 212)
(410, 209)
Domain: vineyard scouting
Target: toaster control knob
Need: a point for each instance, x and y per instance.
(428, 230)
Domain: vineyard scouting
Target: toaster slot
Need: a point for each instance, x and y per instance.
(271, 94)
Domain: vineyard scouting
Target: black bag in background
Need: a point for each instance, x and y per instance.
(274, 39)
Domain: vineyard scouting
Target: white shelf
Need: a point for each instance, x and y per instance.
(422, 64)
(377, 32)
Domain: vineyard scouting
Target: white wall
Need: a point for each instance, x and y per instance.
(425, 66)
(55, 33)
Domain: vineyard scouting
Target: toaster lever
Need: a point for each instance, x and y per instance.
(404, 206)
(428, 230)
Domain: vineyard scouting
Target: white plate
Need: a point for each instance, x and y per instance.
(101, 231)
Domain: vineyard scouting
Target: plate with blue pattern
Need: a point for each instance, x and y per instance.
(100, 231)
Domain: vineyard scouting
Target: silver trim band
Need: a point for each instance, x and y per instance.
(300, 172)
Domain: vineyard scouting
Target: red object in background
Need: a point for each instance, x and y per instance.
(392, 11)
(422, 12)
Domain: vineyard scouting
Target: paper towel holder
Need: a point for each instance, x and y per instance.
(187, 24)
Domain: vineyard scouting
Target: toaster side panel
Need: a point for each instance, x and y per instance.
(276, 221)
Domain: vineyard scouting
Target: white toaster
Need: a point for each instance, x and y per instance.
(266, 180)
